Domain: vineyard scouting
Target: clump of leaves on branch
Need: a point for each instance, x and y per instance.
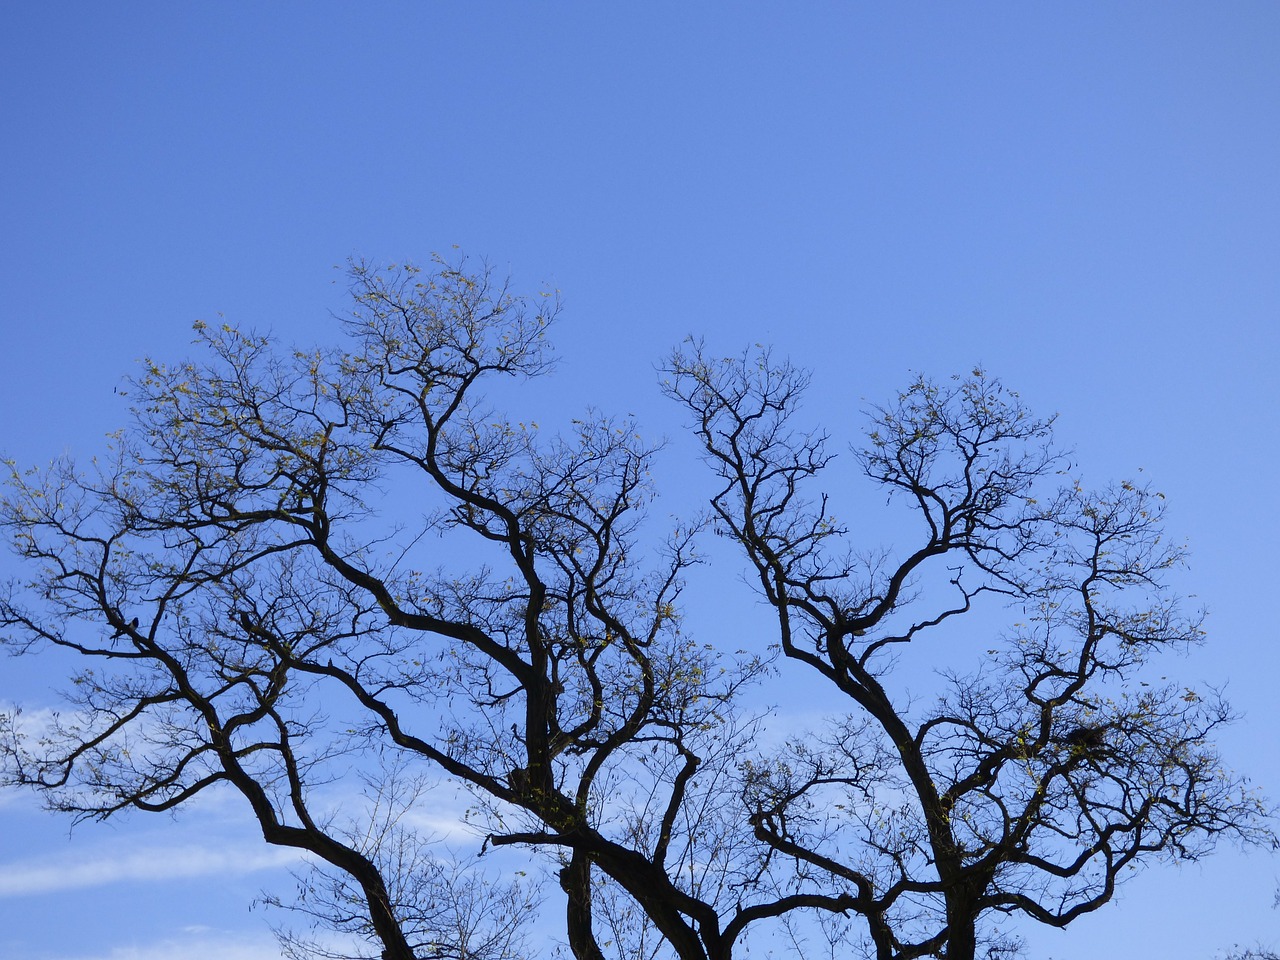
(297, 568)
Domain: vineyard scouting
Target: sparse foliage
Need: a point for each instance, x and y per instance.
(334, 567)
(1033, 781)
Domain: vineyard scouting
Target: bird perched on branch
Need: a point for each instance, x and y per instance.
(133, 625)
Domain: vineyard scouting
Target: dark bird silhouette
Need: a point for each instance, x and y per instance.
(133, 625)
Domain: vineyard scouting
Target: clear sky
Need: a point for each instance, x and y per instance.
(1083, 197)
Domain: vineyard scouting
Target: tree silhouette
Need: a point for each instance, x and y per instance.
(1035, 780)
(303, 567)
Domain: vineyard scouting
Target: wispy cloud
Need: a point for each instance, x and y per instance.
(13, 797)
(149, 864)
(197, 945)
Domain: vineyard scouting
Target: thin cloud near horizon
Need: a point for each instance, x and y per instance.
(203, 945)
(31, 877)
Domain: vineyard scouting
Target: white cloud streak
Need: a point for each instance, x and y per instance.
(150, 864)
(202, 946)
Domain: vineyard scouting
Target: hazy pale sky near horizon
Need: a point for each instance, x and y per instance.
(1083, 198)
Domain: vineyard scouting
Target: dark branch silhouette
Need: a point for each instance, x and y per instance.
(347, 568)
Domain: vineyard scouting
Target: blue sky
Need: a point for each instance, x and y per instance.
(1084, 198)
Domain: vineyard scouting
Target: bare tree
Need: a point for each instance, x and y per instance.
(299, 570)
(1040, 776)
(254, 616)
(449, 906)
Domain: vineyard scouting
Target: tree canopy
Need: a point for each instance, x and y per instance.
(296, 567)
